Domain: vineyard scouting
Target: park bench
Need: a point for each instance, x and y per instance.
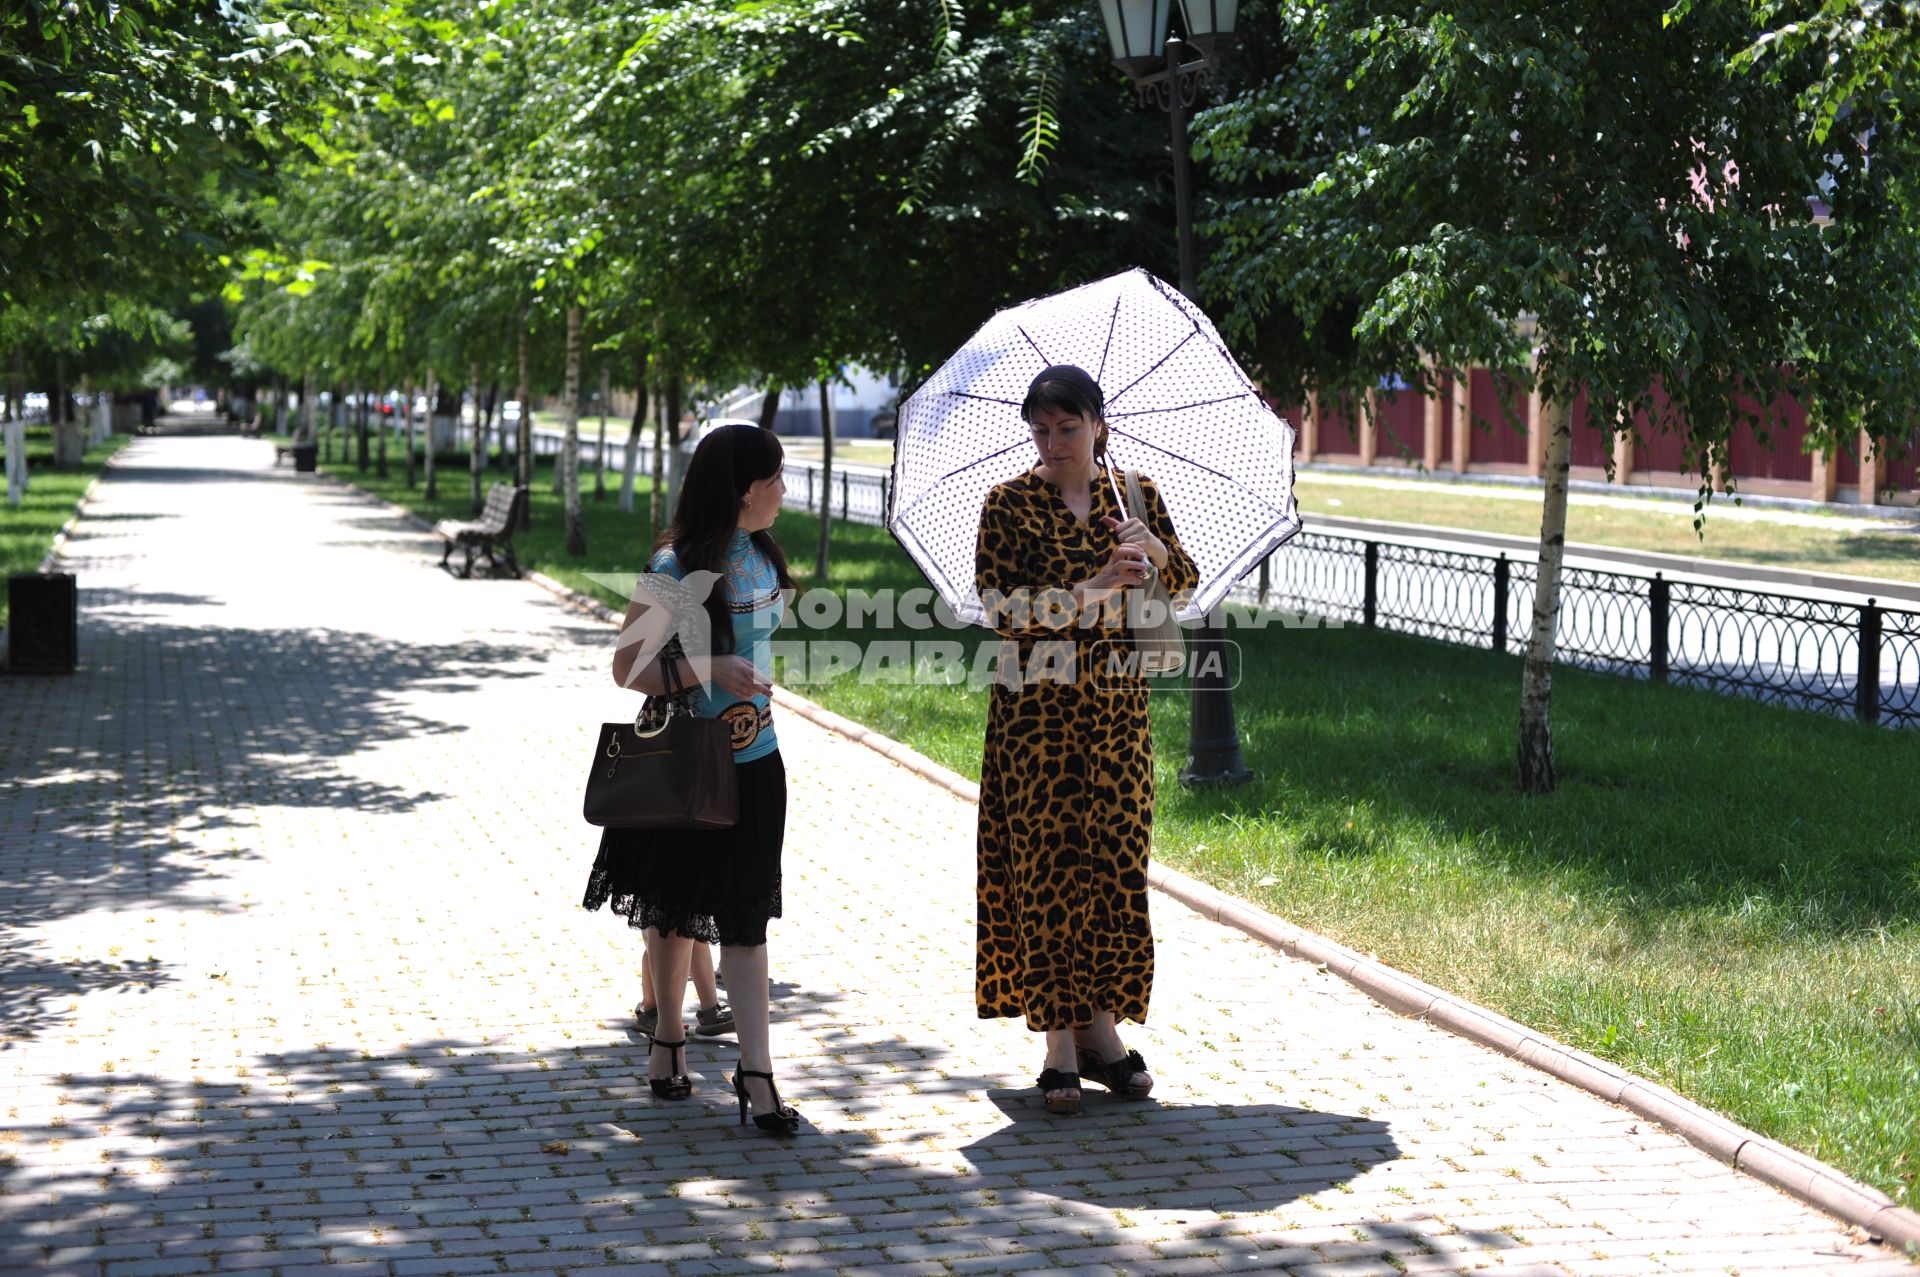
(492, 530)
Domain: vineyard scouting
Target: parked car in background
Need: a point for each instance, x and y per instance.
(886, 423)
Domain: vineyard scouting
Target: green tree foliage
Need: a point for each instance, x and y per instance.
(1637, 184)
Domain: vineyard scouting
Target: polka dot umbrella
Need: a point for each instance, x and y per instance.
(1178, 409)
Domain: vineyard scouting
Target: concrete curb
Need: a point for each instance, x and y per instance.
(1767, 1160)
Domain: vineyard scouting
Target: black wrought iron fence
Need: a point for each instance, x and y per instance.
(1826, 654)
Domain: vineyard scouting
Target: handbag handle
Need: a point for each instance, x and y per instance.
(676, 698)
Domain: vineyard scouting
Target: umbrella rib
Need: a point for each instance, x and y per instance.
(1200, 466)
(971, 465)
(1156, 366)
(1044, 361)
(1113, 321)
(1204, 403)
(961, 394)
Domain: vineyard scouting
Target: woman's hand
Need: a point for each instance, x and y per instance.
(740, 677)
(1135, 532)
(1129, 566)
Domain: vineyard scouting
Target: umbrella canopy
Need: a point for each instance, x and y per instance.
(1178, 408)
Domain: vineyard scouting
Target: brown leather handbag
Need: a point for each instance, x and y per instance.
(1157, 636)
(668, 769)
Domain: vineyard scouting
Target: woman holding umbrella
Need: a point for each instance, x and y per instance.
(1066, 788)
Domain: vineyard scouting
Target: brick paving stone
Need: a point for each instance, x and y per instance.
(294, 975)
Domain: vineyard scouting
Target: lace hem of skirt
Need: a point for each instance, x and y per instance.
(742, 922)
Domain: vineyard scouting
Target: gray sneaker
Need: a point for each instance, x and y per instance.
(648, 1017)
(714, 1021)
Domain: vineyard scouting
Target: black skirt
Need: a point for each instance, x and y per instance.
(715, 885)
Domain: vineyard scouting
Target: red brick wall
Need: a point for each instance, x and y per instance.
(1495, 434)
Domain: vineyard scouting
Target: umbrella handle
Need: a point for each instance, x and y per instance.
(1115, 484)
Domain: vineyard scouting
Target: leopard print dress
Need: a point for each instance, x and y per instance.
(1066, 781)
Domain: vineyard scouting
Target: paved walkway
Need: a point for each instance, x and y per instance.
(293, 977)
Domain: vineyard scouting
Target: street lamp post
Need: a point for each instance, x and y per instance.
(1161, 72)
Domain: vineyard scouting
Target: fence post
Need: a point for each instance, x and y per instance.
(809, 489)
(1371, 606)
(1867, 686)
(1659, 609)
(1502, 577)
(1266, 579)
(844, 498)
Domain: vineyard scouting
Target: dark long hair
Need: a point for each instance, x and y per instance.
(728, 461)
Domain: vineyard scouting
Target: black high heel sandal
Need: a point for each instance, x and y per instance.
(675, 1086)
(1116, 1075)
(784, 1120)
(1062, 1081)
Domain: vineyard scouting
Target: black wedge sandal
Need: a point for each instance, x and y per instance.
(1060, 1080)
(1116, 1075)
(784, 1120)
(675, 1086)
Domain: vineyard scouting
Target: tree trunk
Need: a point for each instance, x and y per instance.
(770, 406)
(280, 405)
(676, 459)
(382, 428)
(412, 463)
(826, 479)
(630, 464)
(433, 402)
(523, 468)
(69, 449)
(1536, 682)
(16, 432)
(600, 450)
(657, 506)
(361, 441)
(570, 446)
(496, 438)
(477, 446)
(337, 422)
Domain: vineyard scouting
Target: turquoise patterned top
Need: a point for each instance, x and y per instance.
(752, 590)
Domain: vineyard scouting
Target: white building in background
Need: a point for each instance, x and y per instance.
(855, 406)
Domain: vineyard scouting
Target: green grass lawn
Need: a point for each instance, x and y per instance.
(1892, 552)
(1722, 896)
(27, 533)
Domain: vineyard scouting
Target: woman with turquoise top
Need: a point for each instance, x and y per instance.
(719, 564)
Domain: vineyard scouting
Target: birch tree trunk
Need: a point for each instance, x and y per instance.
(630, 464)
(676, 459)
(433, 401)
(1536, 681)
(68, 447)
(477, 446)
(412, 465)
(600, 450)
(570, 446)
(16, 433)
(523, 467)
(826, 479)
(657, 506)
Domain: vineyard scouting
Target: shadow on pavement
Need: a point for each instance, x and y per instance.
(128, 784)
(458, 1148)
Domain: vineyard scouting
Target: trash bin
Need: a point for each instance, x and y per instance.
(306, 457)
(43, 623)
